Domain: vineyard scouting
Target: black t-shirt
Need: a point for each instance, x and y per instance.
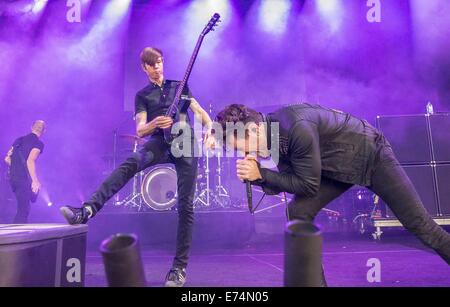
(155, 99)
(21, 150)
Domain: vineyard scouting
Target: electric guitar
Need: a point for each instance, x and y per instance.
(174, 109)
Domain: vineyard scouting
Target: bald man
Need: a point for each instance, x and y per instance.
(21, 159)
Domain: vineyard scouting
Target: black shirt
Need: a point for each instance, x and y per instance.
(315, 141)
(21, 150)
(155, 99)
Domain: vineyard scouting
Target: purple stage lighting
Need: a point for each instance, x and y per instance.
(197, 15)
(273, 15)
(39, 6)
(116, 10)
(331, 11)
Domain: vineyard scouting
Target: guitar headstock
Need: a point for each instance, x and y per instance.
(213, 22)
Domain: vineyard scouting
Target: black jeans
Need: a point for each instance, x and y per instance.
(22, 191)
(390, 182)
(156, 151)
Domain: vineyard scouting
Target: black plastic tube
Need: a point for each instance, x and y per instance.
(122, 261)
(302, 255)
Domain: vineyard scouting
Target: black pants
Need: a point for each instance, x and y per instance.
(22, 191)
(156, 151)
(390, 182)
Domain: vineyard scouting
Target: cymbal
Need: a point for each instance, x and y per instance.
(132, 138)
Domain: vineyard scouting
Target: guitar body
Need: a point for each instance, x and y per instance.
(174, 109)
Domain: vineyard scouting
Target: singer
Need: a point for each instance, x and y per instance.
(322, 153)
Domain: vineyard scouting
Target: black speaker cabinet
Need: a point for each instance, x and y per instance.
(440, 135)
(409, 137)
(422, 177)
(443, 188)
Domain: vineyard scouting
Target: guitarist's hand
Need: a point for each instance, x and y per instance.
(210, 141)
(35, 186)
(162, 122)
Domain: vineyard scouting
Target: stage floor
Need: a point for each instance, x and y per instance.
(404, 262)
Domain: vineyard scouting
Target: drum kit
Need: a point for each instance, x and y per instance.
(155, 188)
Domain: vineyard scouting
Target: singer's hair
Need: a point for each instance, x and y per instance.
(234, 113)
(150, 55)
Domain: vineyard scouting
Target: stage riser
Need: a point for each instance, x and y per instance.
(42, 255)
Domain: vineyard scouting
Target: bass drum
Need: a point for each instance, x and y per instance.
(159, 188)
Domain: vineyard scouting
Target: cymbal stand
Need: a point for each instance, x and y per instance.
(222, 196)
(204, 198)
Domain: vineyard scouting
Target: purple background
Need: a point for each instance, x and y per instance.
(81, 77)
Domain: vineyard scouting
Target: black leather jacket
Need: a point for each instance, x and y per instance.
(317, 141)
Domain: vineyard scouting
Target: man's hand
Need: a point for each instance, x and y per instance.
(8, 160)
(35, 186)
(209, 141)
(162, 122)
(247, 169)
(8, 156)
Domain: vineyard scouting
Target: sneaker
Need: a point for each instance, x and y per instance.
(74, 215)
(176, 277)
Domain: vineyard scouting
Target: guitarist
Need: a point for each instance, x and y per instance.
(151, 104)
(21, 159)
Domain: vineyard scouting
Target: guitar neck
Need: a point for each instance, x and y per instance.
(189, 69)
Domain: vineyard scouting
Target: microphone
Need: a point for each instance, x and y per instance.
(248, 187)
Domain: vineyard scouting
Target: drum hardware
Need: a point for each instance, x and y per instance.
(206, 197)
(369, 211)
(159, 188)
(221, 195)
(203, 198)
(144, 195)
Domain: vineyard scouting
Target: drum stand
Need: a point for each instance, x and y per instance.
(222, 196)
(212, 198)
(204, 198)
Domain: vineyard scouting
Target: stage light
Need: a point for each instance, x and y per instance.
(86, 50)
(116, 9)
(49, 204)
(327, 6)
(38, 6)
(198, 14)
(273, 15)
(331, 11)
